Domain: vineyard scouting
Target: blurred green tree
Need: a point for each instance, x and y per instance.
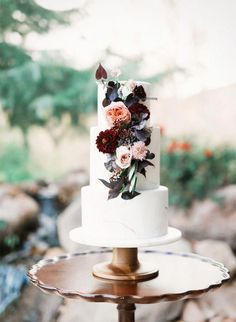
(25, 16)
(34, 92)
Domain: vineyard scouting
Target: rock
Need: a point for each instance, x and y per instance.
(222, 301)
(209, 219)
(217, 250)
(193, 313)
(17, 210)
(81, 311)
(216, 319)
(69, 186)
(159, 312)
(70, 218)
(33, 306)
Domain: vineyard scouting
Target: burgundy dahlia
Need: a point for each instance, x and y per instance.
(138, 108)
(107, 141)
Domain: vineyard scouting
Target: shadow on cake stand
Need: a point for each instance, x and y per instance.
(125, 264)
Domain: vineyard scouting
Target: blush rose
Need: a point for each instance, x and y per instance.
(117, 113)
(123, 156)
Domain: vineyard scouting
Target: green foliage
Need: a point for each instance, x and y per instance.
(12, 56)
(16, 166)
(25, 16)
(33, 93)
(195, 173)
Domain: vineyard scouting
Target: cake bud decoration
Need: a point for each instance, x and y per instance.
(125, 141)
(101, 73)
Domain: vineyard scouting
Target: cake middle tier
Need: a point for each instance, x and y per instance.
(97, 160)
(144, 216)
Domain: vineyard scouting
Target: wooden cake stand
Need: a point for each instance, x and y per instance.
(125, 264)
(180, 276)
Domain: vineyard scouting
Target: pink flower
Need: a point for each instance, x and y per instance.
(117, 113)
(123, 157)
(139, 150)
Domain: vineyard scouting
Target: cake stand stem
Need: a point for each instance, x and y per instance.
(126, 312)
(125, 258)
(125, 266)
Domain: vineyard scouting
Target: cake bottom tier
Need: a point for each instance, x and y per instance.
(144, 216)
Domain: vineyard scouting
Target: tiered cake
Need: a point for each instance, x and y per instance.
(124, 200)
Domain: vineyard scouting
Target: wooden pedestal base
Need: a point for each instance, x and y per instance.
(125, 266)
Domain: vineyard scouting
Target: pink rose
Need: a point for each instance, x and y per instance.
(139, 150)
(117, 113)
(123, 157)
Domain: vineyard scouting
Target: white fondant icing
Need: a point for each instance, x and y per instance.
(79, 235)
(144, 216)
(97, 159)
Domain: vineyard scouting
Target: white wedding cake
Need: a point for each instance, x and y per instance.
(124, 200)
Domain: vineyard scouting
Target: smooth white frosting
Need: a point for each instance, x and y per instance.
(144, 216)
(97, 159)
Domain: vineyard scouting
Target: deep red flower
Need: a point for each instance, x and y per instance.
(172, 147)
(138, 108)
(107, 141)
(184, 146)
(208, 153)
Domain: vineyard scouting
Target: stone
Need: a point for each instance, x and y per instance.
(69, 186)
(209, 219)
(217, 250)
(33, 306)
(99, 312)
(18, 210)
(192, 312)
(70, 218)
(222, 301)
(159, 312)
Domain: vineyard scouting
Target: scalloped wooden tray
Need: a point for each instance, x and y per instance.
(182, 275)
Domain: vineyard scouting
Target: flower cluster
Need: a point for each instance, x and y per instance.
(126, 140)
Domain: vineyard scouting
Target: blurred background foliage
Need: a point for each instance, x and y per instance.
(193, 172)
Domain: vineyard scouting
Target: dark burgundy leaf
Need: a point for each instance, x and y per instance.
(106, 102)
(143, 172)
(111, 84)
(140, 125)
(101, 73)
(113, 194)
(110, 165)
(131, 99)
(129, 195)
(142, 135)
(143, 164)
(148, 141)
(107, 184)
(118, 99)
(140, 92)
(150, 156)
